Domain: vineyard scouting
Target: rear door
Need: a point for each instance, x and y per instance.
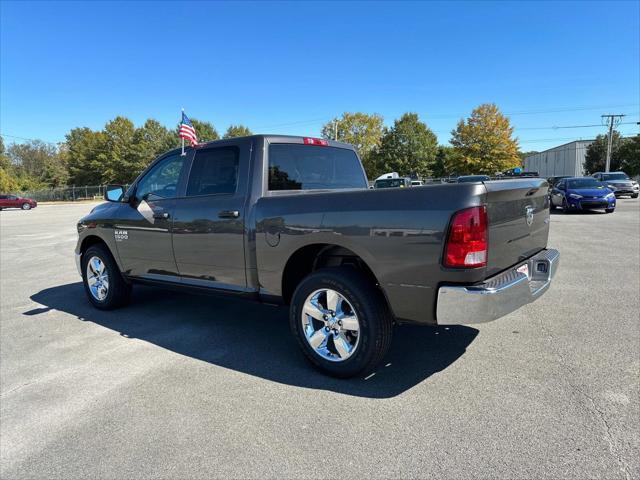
(518, 214)
(209, 220)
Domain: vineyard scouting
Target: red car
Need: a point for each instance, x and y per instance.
(13, 201)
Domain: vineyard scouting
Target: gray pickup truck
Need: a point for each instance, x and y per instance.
(290, 220)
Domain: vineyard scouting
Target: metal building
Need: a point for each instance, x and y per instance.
(566, 159)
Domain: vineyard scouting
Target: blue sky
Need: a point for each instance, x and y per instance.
(289, 67)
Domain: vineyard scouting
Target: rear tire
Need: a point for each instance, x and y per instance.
(26, 206)
(104, 285)
(360, 298)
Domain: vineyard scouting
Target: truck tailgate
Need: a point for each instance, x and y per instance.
(518, 215)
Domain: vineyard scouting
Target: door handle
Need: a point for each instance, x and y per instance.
(161, 216)
(229, 214)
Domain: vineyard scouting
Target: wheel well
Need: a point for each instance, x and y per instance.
(90, 241)
(311, 258)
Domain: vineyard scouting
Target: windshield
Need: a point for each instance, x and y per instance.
(309, 167)
(614, 176)
(473, 178)
(584, 183)
(390, 183)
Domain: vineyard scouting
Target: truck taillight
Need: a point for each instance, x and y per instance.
(467, 241)
(315, 141)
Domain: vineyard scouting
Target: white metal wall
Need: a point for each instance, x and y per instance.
(563, 160)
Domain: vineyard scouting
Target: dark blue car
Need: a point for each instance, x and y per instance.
(582, 193)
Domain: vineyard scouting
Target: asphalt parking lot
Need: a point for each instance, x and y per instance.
(182, 386)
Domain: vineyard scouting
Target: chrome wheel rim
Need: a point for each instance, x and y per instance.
(330, 325)
(97, 278)
(26, 206)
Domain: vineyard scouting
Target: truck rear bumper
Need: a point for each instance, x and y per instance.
(499, 295)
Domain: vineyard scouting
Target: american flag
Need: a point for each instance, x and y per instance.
(187, 131)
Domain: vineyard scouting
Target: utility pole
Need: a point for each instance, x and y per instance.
(611, 121)
(335, 130)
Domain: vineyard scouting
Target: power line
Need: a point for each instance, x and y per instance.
(611, 120)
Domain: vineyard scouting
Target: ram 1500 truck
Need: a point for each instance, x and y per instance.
(291, 220)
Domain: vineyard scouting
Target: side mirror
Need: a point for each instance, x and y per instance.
(114, 193)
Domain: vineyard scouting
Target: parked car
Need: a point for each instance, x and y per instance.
(417, 183)
(582, 193)
(619, 183)
(13, 201)
(473, 178)
(402, 182)
(290, 220)
(553, 181)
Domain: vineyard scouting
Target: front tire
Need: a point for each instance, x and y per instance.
(26, 206)
(609, 210)
(104, 285)
(635, 195)
(565, 206)
(341, 321)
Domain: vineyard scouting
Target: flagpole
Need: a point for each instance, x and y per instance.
(182, 154)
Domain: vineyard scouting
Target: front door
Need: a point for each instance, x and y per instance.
(209, 220)
(143, 229)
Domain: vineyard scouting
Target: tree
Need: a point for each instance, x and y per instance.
(206, 131)
(86, 154)
(524, 155)
(30, 157)
(149, 141)
(596, 157)
(361, 130)
(237, 131)
(485, 143)
(8, 183)
(630, 156)
(120, 165)
(409, 148)
(443, 166)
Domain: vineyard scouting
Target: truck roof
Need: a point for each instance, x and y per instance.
(274, 138)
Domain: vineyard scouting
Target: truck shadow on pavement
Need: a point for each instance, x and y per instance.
(255, 339)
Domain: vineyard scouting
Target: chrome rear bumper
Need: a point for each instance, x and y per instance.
(499, 295)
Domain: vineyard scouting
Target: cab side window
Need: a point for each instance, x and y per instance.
(214, 172)
(162, 180)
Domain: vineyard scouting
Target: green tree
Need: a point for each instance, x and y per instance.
(86, 156)
(149, 141)
(596, 157)
(361, 130)
(205, 130)
(409, 148)
(630, 156)
(121, 162)
(30, 157)
(484, 143)
(443, 166)
(237, 131)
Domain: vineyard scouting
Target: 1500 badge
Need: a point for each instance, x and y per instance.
(121, 235)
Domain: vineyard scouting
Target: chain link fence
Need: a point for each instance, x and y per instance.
(67, 194)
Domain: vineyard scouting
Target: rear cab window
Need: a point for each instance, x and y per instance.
(313, 167)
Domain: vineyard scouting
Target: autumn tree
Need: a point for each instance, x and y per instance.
(409, 147)
(484, 143)
(237, 131)
(361, 130)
